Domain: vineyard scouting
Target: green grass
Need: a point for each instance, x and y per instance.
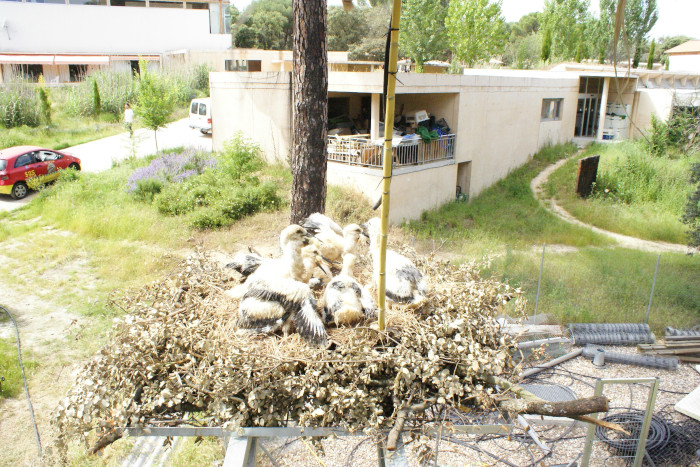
(12, 384)
(636, 194)
(505, 214)
(66, 130)
(607, 285)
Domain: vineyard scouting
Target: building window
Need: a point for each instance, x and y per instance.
(77, 72)
(242, 65)
(30, 72)
(551, 109)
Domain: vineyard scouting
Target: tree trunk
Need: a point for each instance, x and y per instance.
(310, 108)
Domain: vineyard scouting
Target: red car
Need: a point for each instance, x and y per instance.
(25, 167)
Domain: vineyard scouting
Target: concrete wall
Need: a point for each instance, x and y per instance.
(55, 28)
(413, 189)
(271, 60)
(256, 104)
(684, 63)
(650, 102)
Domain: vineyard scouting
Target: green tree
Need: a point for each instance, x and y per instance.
(566, 20)
(373, 46)
(423, 36)
(155, 100)
(546, 46)
(264, 24)
(44, 105)
(640, 17)
(476, 30)
(96, 101)
(652, 50)
(346, 28)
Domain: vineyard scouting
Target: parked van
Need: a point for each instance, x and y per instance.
(200, 115)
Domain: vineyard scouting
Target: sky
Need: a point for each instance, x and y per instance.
(676, 17)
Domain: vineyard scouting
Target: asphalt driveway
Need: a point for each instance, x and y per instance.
(101, 154)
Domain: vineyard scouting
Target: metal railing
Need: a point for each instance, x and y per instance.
(362, 151)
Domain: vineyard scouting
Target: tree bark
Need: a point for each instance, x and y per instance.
(310, 108)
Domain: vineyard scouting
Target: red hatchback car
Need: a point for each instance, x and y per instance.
(25, 167)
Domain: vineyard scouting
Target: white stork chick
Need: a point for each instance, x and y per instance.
(346, 301)
(273, 299)
(312, 258)
(317, 221)
(246, 263)
(404, 282)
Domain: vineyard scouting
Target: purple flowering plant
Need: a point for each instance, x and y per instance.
(171, 168)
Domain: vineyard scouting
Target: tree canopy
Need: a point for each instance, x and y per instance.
(264, 24)
(423, 35)
(476, 29)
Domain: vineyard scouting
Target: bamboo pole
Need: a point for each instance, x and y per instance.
(388, 133)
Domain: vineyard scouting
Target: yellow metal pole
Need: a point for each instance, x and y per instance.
(388, 133)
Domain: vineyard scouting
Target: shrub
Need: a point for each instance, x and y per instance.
(96, 102)
(691, 216)
(168, 168)
(18, 105)
(235, 203)
(44, 105)
(658, 137)
(240, 159)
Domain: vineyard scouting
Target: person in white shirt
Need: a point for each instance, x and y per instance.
(128, 119)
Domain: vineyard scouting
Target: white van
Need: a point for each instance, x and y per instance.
(200, 114)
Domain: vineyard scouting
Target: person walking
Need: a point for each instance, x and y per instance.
(129, 119)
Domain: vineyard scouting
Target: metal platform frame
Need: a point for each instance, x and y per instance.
(241, 445)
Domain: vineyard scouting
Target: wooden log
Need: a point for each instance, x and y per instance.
(568, 409)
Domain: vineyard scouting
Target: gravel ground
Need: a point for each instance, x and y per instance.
(567, 442)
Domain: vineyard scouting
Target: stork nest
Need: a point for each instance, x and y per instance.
(176, 358)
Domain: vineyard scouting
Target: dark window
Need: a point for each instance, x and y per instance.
(153, 4)
(77, 72)
(128, 3)
(197, 6)
(50, 156)
(202, 109)
(254, 65)
(87, 2)
(24, 159)
(551, 109)
(135, 67)
(193, 109)
(30, 72)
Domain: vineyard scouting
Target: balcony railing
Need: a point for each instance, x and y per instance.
(362, 151)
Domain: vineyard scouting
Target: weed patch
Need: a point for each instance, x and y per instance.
(12, 384)
(505, 213)
(636, 194)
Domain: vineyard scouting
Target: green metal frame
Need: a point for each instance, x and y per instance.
(651, 401)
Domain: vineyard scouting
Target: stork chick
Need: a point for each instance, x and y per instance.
(318, 221)
(246, 263)
(404, 282)
(346, 301)
(273, 299)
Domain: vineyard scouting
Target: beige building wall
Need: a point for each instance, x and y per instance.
(256, 104)
(657, 102)
(413, 189)
(270, 60)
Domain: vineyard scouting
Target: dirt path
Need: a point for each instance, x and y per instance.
(622, 240)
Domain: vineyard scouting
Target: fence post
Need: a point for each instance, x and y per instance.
(539, 281)
(653, 283)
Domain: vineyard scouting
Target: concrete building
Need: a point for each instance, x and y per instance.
(66, 39)
(684, 57)
(497, 120)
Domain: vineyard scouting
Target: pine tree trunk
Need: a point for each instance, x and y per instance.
(310, 108)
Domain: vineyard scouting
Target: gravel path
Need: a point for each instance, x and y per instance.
(622, 240)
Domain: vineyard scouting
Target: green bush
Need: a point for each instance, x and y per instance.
(236, 203)
(240, 159)
(147, 189)
(18, 105)
(96, 101)
(44, 105)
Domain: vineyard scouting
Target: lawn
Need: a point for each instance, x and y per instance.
(636, 194)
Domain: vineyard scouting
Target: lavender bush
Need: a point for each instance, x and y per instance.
(173, 167)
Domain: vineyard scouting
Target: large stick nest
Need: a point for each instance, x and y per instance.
(177, 351)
